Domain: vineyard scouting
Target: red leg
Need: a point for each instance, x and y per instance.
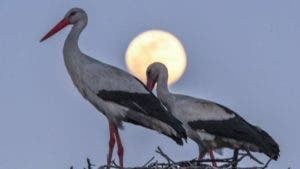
(111, 143)
(120, 148)
(212, 157)
(201, 154)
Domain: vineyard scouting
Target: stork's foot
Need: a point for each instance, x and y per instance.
(120, 155)
(111, 143)
(113, 138)
(110, 151)
(212, 157)
(120, 148)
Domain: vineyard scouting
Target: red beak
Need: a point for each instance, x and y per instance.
(150, 84)
(63, 23)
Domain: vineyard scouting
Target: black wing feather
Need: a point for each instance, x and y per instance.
(147, 104)
(239, 129)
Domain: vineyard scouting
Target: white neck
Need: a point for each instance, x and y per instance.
(71, 48)
(73, 57)
(162, 90)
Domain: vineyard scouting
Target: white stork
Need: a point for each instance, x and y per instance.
(210, 124)
(114, 92)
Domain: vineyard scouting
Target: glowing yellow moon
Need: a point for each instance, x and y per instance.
(156, 46)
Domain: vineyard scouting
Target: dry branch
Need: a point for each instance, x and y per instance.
(225, 163)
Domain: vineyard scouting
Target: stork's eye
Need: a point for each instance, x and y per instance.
(148, 72)
(72, 13)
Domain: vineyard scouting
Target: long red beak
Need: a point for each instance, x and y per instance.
(63, 23)
(150, 84)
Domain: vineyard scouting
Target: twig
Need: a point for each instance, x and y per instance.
(148, 161)
(267, 163)
(159, 151)
(90, 165)
(254, 158)
(225, 160)
(153, 164)
(235, 158)
(231, 161)
(192, 164)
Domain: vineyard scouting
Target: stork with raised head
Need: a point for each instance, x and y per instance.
(210, 124)
(114, 92)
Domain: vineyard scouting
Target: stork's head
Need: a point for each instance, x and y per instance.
(73, 16)
(156, 71)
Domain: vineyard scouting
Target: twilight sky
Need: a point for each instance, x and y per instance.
(243, 54)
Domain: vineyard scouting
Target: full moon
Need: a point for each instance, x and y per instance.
(156, 46)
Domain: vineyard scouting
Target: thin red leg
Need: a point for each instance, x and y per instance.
(120, 147)
(111, 143)
(212, 157)
(201, 154)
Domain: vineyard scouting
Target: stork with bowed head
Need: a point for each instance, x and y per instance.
(114, 92)
(210, 124)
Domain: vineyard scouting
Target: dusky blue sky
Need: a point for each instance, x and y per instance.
(243, 54)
